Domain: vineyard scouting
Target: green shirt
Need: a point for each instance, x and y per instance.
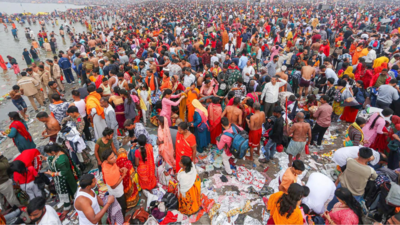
(103, 147)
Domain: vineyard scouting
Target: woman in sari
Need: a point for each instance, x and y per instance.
(366, 75)
(130, 187)
(118, 103)
(166, 81)
(3, 64)
(214, 116)
(348, 71)
(96, 78)
(357, 53)
(337, 109)
(185, 144)
(177, 88)
(379, 61)
(347, 211)
(65, 174)
(18, 131)
(201, 127)
(189, 187)
(144, 160)
(192, 94)
(376, 126)
(164, 142)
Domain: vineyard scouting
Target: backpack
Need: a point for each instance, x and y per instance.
(375, 44)
(293, 60)
(240, 142)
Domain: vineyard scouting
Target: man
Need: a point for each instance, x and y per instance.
(75, 119)
(87, 203)
(53, 89)
(150, 79)
(275, 136)
(81, 105)
(58, 108)
(270, 94)
(37, 78)
(18, 101)
(223, 76)
(255, 125)
(136, 129)
(123, 58)
(242, 61)
(189, 78)
(30, 88)
(290, 175)
(322, 191)
(6, 184)
(331, 90)
(65, 65)
(42, 214)
(323, 121)
(44, 77)
(271, 66)
(95, 111)
(225, 142)
(329, 73)
(301, 136)
(307, 73)
(55, 73)
(341, 155)
(194, 60)
(371, 56)
(51, 124)
(387, 93)
(248, 72)
(233, 113)
(110, 118)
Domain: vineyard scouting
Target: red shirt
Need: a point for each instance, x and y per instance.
(29, 177)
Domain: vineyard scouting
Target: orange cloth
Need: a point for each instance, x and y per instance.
(146, 170)
(150, 83)
(288, 178)
(183, 147)
(191, 203)
(111, 173)
(190, 97)
(166, 84)
(93, 101)
(273, 206)
(356, 55)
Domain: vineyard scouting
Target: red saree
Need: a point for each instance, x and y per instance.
(146, 170)
(130, 187)
(21, 129)
(381, 142)
(183, 147)
(214, 118)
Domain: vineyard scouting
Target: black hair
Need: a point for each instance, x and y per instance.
(42, 115)
(345, 195)
(124, 92)
(277, 109)
(224, 121)
(91, 88)
(86, 180)
(183, 125)
(56, 97)
(37, 203)
(128, 122)
(76, 93)
(215, 100)
(14, 116)
(360, 82)
(187, 162)
(106, 154)
(365, 152)
(306, 191)
(142, 143)
(298, 165)
(166, 92)
(331, 80)
(15, 87)
(236, 100)
(288, 202)
(72, 109)
(107, 131)
(393, 81)
(385, 112)
(18, 166)
(360, 121)
(305, 208)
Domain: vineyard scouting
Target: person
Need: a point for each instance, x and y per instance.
(95, 111)
(376, 125)
(25, 177)
(29, 87)
(42, 214)
(58, 108)
(104, 143)
(118, 102)
(81, 105)
(354, 135)
(201, 127)
(301, 136)
(387, 94)
(185, 144)
(111, 121)
(144, 160)
(233, 112)
(290, 175)
(135, 130)
(113, 177)
(323, 115)
(255, 125)
(214, 119)
(322, 190)
(129, 106)
(167, 103)
(6, 184)
(51, 124)
(342, 154)
(338, 99)
(130, 187)
(275, 136)
(283, 207)
(346, 211)
(307, 73)
(189, 187)
(87, 202)
(145, 101)
(19, 132)
(27, 57)
(64, 173)
(270, 93)
(55, 73)
(164, 142)
(19, 102)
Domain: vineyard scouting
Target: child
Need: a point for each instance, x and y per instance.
(16, 69)
(106, 87)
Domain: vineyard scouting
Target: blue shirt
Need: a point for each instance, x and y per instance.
(64, 63)
(242, 62)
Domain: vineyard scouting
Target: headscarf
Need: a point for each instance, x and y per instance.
(349, 72)
(186, 180)
(381, 67)
(199, 107)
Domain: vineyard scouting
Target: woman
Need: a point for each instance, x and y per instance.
(130, 187)
(34, 55)
(18, 131)
(284, 208)
(348, 71)
(376, 126)
(144, 161)
(347, 211)
(166, 81)
(164, 142)
(366, 75)
(3, 64)
(118, 103)
(64, 173)
(27, 57)
(214, 116)
(337, 109)
(201, 127)
(354, 135)
(185, 144)
(25, 177)
(189, 187)
(394, 154)
(145, 101)
(357, 54)
(351, 106)
(379, 69)
(167, 103)
(192, 94)
(275, 51)
(177, 87)
(129, 105)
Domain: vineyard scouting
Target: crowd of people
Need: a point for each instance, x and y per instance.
(246, 83)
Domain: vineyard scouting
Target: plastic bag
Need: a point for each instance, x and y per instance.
(243, 174)
(307, 149)
(150, 198)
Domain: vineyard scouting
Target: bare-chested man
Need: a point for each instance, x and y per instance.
(52, 126)
(315, 47)
(233, 113)
(301, 136)
(18, 101)
(92, 44)
(307, 72)
(255, 125)
(281, 74)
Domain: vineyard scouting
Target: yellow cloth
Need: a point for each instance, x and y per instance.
(93, 101)
(378, 62)
(349, 72)
(273, 206)
(191, 202)
(364, 52)
(199, 106)
(142, 104)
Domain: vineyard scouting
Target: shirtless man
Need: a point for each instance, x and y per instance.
(52, 126)
(301, 136)
(283, 76)
(92, 44)
(255, 125)
(113, 80)
(62, 34)
(184, 64)
(315, 47)
(307, 72)
(233, 113)
(18, 101)
(94, 60)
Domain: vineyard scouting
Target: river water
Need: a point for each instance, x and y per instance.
(14, 48)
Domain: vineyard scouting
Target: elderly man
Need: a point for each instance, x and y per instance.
(301, 136)
(270, 93)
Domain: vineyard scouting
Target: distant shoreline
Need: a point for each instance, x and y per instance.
(48, 3)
